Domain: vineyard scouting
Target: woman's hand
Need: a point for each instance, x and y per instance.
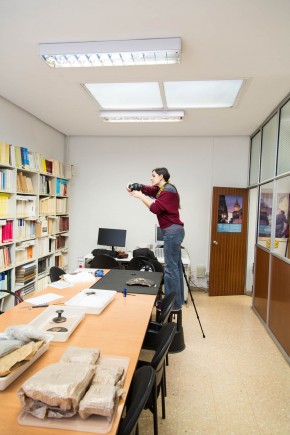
(137, 194)
(127, 188)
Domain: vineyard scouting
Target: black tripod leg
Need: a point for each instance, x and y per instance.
(189, 292)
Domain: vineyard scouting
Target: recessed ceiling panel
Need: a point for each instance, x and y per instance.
(126, 95)
(202, 94)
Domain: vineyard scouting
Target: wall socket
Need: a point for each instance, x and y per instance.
(81, 262)
(200, 271)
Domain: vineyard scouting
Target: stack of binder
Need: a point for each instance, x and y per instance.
(25, 274)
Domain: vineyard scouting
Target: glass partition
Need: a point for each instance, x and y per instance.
(282, 218)
(255, 159)
(269, 148)
(284, 140)
(265, 215)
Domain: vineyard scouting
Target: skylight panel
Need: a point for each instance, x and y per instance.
(126, 96)
(202, 94)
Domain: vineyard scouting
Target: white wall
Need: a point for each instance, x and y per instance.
(20, 128)
(104, 165)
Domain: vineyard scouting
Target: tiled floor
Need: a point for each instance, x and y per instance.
(234, 381)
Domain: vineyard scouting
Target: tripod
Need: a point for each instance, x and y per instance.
(189, 292)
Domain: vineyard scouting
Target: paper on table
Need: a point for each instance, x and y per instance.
(59, 284)
(43, 299)
(82, 276)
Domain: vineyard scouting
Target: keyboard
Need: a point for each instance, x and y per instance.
(159, 253)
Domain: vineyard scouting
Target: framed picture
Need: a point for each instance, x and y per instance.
(230, 214)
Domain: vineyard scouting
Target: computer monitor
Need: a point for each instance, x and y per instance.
(112, 237)
(158, 236)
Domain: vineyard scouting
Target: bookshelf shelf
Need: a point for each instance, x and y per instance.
(4, 269)
(34, 220)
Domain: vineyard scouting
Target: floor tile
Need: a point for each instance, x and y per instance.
(234, 381)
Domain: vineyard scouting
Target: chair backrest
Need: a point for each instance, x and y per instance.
(138, 263)
(140, 390)
(55, 273)
(144, 264)
(163, 341)
(144, 252)
(104, 261)
(19, 298)
(167, 305)
(157, 266)
(99, 251)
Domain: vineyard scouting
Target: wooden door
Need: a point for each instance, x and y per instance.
(228, 250)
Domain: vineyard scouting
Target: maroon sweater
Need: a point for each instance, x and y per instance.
(165, 206)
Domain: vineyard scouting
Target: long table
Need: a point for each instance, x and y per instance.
(119, 331)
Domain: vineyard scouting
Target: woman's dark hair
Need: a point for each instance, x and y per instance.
(166, 176)
(164, 172)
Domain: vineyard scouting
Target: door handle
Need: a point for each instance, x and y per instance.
(215, 242)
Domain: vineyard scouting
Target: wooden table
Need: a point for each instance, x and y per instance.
(119, 330)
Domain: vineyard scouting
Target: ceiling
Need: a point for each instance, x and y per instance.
(221, 39)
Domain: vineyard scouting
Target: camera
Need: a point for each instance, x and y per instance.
(135, 186)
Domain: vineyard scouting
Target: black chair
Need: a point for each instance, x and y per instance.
(19, 298)
(104, 261)
(158, 267)
(139, 392)
(164, 339)
(98, 251)
(55, 273)
(144, 263)
(162, 317)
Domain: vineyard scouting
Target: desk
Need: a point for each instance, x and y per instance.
(185, 259)
(119, 330)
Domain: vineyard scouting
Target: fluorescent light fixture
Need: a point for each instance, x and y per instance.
(142, 115)
(126, 96)
(202, 94)
(112, 53)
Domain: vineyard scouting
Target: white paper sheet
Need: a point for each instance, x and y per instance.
(60, 284)
(82, 276)
(43, 299)
(85, 269)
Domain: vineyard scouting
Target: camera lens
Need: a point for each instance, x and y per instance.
(135, 186)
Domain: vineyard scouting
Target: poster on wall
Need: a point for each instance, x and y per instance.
(265, 217)
(230, 214)
(282, 216)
